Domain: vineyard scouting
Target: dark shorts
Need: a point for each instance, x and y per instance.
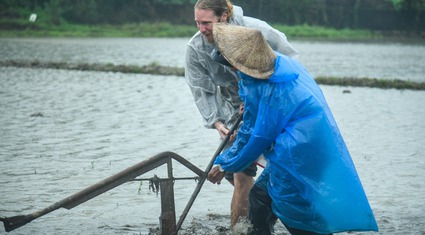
(249, 171)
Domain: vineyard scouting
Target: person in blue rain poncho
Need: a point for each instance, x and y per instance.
(310, 182)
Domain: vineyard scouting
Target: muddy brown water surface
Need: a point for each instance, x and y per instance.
(61, 131)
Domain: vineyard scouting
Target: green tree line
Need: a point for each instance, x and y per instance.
(392, 15)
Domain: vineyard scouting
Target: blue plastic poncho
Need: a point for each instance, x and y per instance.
(310, 175)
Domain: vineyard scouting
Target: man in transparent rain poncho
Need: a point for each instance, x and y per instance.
(310, 182)
(214, 86)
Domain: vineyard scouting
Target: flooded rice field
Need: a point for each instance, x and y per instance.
(389, 60)
(61, 131)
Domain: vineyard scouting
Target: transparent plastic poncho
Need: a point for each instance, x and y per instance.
(215, 87)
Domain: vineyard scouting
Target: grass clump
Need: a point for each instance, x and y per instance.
(22, 28)
(372, 82)
(157, 69)
(317, 32)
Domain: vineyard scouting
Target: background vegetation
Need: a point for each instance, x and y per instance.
(299, 18)
(328, 19)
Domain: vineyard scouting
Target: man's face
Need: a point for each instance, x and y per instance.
(204, 21)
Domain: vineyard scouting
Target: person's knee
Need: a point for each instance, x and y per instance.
(260, 213)
(260, 199)
(242, 181)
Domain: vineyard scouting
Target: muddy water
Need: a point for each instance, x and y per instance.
(61, 131)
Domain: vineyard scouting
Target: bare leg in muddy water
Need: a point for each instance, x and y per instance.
(240, 201)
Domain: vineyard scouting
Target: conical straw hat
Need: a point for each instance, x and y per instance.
(246, 49)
